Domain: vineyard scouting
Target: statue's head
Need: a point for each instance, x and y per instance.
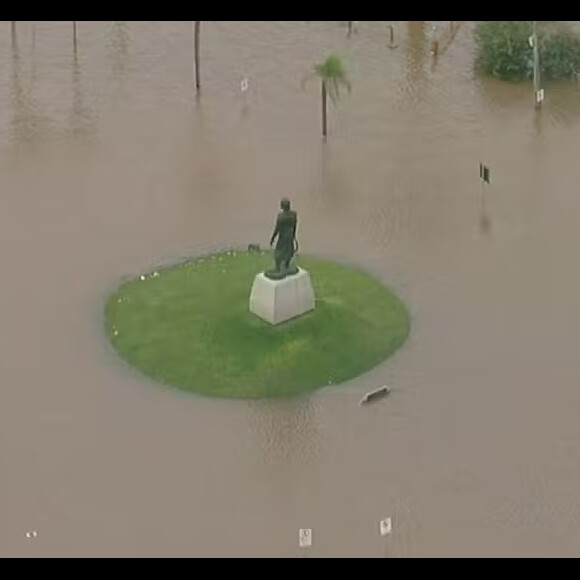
(286, 205)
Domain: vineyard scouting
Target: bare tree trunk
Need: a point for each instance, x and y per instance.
(75, 37)
(197, 35)
(13, 31)
(324, 110)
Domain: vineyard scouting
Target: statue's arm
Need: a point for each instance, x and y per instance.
(276, 233)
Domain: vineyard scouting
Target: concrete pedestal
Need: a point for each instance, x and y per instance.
(280, 301)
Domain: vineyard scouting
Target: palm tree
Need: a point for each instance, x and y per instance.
(197, 35)
(333, 77)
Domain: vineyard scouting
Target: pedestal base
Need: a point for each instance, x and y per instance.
(283, 300)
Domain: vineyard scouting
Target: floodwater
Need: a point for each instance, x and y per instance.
(109, 166)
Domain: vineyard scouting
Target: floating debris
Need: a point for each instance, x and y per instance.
(376, 396)
(31, 535)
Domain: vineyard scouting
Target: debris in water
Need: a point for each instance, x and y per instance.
(31, 535)
(376, 396)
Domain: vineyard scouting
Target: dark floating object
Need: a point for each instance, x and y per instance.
(376, 396)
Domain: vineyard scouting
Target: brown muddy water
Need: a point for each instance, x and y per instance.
(108, 166)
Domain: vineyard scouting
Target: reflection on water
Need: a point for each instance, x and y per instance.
(416, 59)
(484, 217)
(118, 43)
(26, 123)
(476, 454)
(289, 431)
(82, 120)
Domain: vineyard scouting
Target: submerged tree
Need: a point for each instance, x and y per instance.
(505, 50)
(333, 78)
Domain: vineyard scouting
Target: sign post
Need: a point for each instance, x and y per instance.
(485, 178)
(386, 530)
(538, 91)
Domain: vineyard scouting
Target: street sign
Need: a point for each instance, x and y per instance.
(386, 527)
(484, 173)
(305, 538)
(540, 96)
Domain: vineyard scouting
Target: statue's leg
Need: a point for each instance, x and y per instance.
(291, 269)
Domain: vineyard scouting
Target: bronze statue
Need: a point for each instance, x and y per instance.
(287, 245)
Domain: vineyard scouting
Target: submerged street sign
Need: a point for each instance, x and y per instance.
(305, 538)
(484, 173)
(386, 527)
(541, 96)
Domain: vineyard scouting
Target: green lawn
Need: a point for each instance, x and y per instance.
(190, 327)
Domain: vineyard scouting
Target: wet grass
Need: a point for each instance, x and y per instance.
(189, 327)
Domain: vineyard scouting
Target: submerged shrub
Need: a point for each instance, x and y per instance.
(504, 49)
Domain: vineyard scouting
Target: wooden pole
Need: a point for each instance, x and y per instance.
(75, 37)
(196, 43)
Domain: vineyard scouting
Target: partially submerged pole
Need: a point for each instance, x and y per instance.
(75, 37)
(196, 57)
(392, 44)
(538, 96)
